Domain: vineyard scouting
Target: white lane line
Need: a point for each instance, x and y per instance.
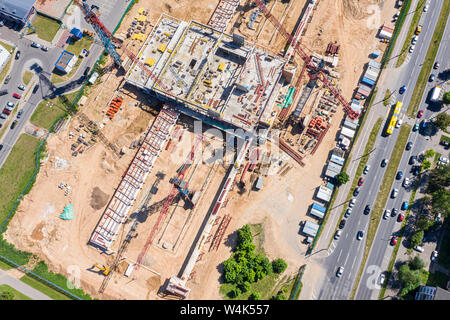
(339, 255)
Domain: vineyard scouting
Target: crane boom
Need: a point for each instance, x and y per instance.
(314, 73)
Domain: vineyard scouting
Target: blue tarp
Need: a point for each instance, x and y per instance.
(319, 207)
(76, 33)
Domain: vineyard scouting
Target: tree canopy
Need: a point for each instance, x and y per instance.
(342, 178)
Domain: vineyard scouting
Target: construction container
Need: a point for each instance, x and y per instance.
(368, 82)
(221, 67)
(259, 183)
(375, 54)
(149, 61)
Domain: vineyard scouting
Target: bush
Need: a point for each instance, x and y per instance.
(442, 121)
(416, 238)
(279, 296)
(10, 252)
(245, 286)
(416, 263)
(245, 237)
(342, 178)
(279, 265)
(255, 296)
(6, 295)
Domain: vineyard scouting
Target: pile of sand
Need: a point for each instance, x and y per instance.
(98, 198)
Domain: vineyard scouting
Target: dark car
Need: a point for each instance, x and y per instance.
(342, 224)
(394, 212)
(436, 65)
(402, 90)
(44, 48)
(19, 114)
(7, 79)
(3, 92)
(18, 54)
(35, 89)
(367, 209)
(412, 160)
(444, 143)
(356, 192)
(415, 170)
(399, 175)
(431, 79)
(409, 145)
(360, 235)
(13, 124)
(384, 162)
(1, 146)
(86, 71)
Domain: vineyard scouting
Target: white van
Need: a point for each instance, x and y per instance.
(419, 248)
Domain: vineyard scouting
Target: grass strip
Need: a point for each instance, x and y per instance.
(16, 295)
(362, 163)
(429, 60)
(382, 197)
(55, 295)
(46, 28)
(26, 77)
(387, 95)
(412, 28)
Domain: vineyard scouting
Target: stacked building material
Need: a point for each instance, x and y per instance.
(123, 199)
(114, 107)
(223, 14)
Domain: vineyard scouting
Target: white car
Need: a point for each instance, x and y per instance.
(434, 255)
(419, 248)
(399, 123)
(406, 182)
(394, 193)
(425, 9)
(411, 48)
(414, 40)
(381, 279)
(387, 214)
(21, 87)
(352, 203)
(347, 212)
(444, 160)
(339, 272)
(338, 234)
(366, 169)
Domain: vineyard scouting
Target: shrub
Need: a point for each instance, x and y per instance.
(416, 238)
(416, 263)
(279, 265)
(255, 296)
(342, 178)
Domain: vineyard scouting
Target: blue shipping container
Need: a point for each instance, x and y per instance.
(368, 82)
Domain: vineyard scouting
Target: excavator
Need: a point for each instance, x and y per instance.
(103, 269)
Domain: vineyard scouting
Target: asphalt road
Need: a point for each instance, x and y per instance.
(348, 251)
(381, 251)
(42, 63)
(22, 287)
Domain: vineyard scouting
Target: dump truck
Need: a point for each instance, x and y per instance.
(435, 92)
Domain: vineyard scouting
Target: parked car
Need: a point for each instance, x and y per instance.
(3, 115)
(434, 255)
(436, 65)
(425, 8)
(394, 212)
(418, 29)
(1, 146)
(367, 209)
(6, 111)
(3, 92)
(412, 160)
(21, 87)
(339, 272)
(399, 123)
(360, 181)
(414, 39)
(445, 143)
(35, 45)
(10, 104)
(400, 218)
(384, 162)
(394, 193)
(394, 240)
(409, 145)
(381, 279)
(35, 89)
(86, 71)
(19, 114)
(411, 48)
(386, 214)
(17, 96)
(415, 170)
(366, 169)
(402, 90)
(342, 224)
(360, 235)
(404, 205)
(17, 54)
(356, 192)
(444, 160)
(13, 124)
(348, 212)
(406, 182)
(44, 48)
(399, 175)
(8, 77)
(338, 234)
(416, 127)
(419, 249)
(420, 114)
(432, 77)
(352, 202)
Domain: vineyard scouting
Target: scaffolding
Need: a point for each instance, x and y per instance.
(223, 14)
(133, 180)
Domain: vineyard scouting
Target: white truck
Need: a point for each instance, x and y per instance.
(436, 91)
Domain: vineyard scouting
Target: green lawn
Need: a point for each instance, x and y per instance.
(59, 76)
(49, 110)
(429, 60)
(5, 266)
(412, 29)
(17, 171)
(26, 77)
(17, 294)
(387, 95)
(55, 295)
(76, 47)
(382, 197)
(46, 28)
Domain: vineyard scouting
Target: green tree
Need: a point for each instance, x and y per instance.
(231, 269)
(446, 98)
(424, 224)
(410, 279)
(439, 178)
(441, 201)
(416, 263)
(279, 296)
(6, 295)
(429, 154)
(426, 164)
(279, 265)
(255, 296)
(442, 121)
(235, 292)
(342, 178)
(244, 236)
(245, 286)
(416, 238)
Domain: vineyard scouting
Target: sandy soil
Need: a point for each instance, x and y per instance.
(281, 205)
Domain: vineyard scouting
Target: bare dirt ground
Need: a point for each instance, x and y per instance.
(281, 205)
(51, 8)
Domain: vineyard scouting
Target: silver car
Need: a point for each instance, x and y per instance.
(386, 214)
(339, 272)
(394, 193)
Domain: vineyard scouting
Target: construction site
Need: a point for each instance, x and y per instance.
(156, 201)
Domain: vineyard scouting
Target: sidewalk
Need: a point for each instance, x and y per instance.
(12, 281)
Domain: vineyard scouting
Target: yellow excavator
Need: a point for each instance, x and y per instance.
(105, 270)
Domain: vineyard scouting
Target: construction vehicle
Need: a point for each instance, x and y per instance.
(103, 269)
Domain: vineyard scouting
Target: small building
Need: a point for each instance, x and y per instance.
(317, 210)
(93, 78)
(5, 55)
(66, 61)
(432, 293)
(324, 193)
(76, 33)
(349, 133)
(385, 32)
(259, 183)
(338, 160)
(310, 228)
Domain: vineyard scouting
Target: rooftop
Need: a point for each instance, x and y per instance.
(64, 59)
(17, 8)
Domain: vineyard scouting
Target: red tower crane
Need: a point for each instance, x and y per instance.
(313, 72)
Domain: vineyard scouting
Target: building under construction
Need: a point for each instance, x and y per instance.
(220, 79)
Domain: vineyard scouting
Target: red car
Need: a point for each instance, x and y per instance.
(420, 114)
(6, 111)
(400, 218)
(360, 181)
(394, 240)
(17, 96)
